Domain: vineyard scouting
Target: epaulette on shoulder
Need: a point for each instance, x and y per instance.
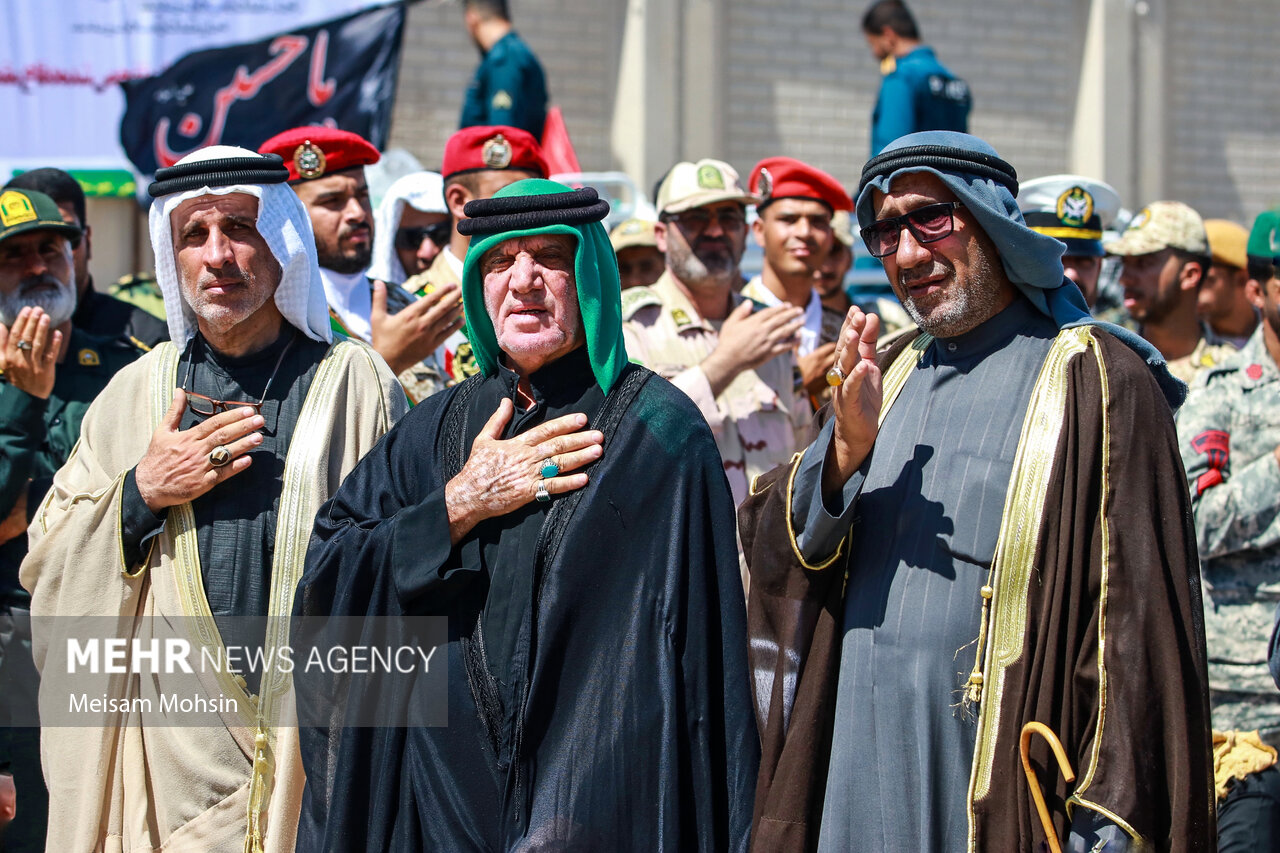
(1217, 372)
(635, 298)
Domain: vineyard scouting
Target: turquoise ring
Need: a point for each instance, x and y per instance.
(550, 469)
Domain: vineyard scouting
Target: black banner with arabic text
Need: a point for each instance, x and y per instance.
(340, 73)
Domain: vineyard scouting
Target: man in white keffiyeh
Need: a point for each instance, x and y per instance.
(186, 509)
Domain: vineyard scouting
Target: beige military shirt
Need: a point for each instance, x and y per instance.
(1211, 351)
(759, 421)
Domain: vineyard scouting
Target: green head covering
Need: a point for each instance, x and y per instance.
(595, 268)
(1264, 239)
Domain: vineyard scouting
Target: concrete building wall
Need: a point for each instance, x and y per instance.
(578, 42)
(803, 83)
(1163, 98)
(1223, 119)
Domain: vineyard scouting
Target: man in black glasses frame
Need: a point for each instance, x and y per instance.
(171, 519)
(970, 547)
(411, 227)
(732, 355)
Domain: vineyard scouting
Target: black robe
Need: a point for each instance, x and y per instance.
(598, 689)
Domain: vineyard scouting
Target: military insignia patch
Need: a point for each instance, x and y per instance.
(309, 160)
(501, 100)
(497, 152)
(1216, 444)
(709, 177)
(89, 358)
(15, 208)
(764, 185)
(1140, 219)
(1075, 207)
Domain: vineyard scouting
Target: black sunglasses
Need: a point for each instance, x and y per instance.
(411, 238)
(927, 224)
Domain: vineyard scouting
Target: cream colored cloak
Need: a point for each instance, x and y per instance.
(130, 787)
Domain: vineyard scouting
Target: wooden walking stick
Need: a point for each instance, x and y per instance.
(1037, 795)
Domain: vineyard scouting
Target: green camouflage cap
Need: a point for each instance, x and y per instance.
(27, 210)
(1162, 225)
(1264, 239)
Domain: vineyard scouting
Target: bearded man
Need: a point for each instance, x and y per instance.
(989, 539)
(50, 372)
(326, 170)
(184, 514)
(565, 511)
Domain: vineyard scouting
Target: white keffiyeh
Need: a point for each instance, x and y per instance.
(423, 191)
(283, 223)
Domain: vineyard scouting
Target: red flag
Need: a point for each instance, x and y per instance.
(557, 148)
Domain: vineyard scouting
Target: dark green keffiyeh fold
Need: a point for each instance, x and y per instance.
(535, 207)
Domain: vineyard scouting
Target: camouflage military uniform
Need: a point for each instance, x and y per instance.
(1228, 430)
(759, 421)
(1211, 351)
(458, 360)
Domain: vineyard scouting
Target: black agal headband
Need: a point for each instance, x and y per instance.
(487, 216)
(944, 158)
(220, 172)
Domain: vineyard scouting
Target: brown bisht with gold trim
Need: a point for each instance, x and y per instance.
(1096, 627)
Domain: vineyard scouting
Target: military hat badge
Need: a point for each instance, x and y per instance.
(497, 152)
(1075, 207)
(764, 184)
(309, 160)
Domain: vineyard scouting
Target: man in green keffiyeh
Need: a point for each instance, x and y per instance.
(567, 512)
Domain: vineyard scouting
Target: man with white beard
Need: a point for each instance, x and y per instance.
(51, 373)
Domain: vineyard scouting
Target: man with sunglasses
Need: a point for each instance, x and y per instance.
(326, 170)
(96, 313)
(731, 354)
(50, 371)
(1230, 440)
(411, 227)
(184, 515)
(991, 531)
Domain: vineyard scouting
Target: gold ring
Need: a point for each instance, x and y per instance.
(220, 456)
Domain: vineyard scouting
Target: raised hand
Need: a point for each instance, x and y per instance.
(856, 401)
(178, 466)
(405, 338)
(502, 475)
(29, 354)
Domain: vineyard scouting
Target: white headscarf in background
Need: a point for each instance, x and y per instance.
(283, 223)
(423, 191)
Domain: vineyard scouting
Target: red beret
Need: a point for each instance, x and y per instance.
(783, 177)
(478, 149)
(312, 152)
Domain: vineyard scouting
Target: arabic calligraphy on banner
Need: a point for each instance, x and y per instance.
(61, 63)
(341, 73)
